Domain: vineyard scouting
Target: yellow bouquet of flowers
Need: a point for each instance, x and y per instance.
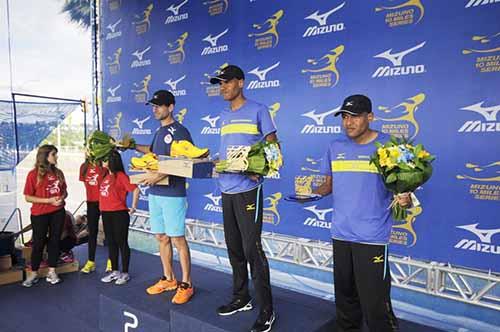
(404, 167)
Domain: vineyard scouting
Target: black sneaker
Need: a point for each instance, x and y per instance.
(265, 322)
(235, 306)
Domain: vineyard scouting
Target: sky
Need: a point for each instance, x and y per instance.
(50, 55)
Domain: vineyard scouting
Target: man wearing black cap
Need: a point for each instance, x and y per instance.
(167, 203)
(244, 123)
(362, 222)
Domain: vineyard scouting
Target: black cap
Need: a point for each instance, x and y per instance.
(355, 105)
(228, 73)
(162, 97)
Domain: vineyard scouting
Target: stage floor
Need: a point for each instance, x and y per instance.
(83, 303)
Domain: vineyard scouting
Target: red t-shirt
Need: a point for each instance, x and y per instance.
(92, 180)
(113, 192)
(49, 186)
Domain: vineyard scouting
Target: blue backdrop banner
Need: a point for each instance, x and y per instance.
(431, 68)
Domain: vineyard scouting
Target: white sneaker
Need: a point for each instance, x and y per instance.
(31, 280)
(123, 279)
(52, 278)
(111, 277)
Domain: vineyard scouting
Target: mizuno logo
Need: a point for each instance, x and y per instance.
(215, 199)
(397, 58)
(484, 235)
(113, 98)
(320, 214)
(489, 113)
(250, 207)
(262, 83)
(319, 118)
(173, 84)
(261, 74)
(213, 40)
(112, 27)
(321, 18)
(112, 91)
(378, 259)
(175, 9)
(140, 54)
(211, 121)
(140, 123)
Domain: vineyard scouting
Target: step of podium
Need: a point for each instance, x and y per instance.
(200, 315)
(129, 306)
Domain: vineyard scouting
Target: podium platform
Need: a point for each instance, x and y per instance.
(83, 303)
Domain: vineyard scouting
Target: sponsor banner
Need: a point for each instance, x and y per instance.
(430, 69)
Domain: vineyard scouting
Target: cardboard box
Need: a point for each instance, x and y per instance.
(26, 254)
(60, 269)
(5, 263)
(139, 177)
(186, 168)
(11, 276)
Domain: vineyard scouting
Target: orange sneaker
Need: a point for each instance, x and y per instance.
(162, 286)
(184, 293)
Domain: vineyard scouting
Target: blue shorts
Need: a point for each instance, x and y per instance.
(167, 215)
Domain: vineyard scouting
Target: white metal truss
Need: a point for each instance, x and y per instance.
(459, 284)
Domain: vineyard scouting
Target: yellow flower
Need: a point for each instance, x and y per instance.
(423, 154)
(390, 164)
(394, 152)
(382, 152)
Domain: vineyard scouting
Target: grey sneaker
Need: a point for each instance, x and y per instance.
(52, 278)
(31, 280)
(123, 279)
(111, 277)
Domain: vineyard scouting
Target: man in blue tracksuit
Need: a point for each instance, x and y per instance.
(244, 123)
(362, 222)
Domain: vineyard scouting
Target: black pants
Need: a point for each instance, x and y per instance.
(242, 215)
(53, 224)
(93, 214)
(362, 287)
(116, 225)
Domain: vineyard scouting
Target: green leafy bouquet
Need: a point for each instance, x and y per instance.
(99, 145)
(404, 167)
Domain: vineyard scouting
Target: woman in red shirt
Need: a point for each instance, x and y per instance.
(91, 174)
(115, 215)
(46, 188)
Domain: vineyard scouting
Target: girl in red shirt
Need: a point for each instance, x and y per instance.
(46, 188)
(91, 174)
(115, 215)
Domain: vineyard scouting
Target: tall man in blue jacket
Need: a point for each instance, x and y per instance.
(244, 123)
